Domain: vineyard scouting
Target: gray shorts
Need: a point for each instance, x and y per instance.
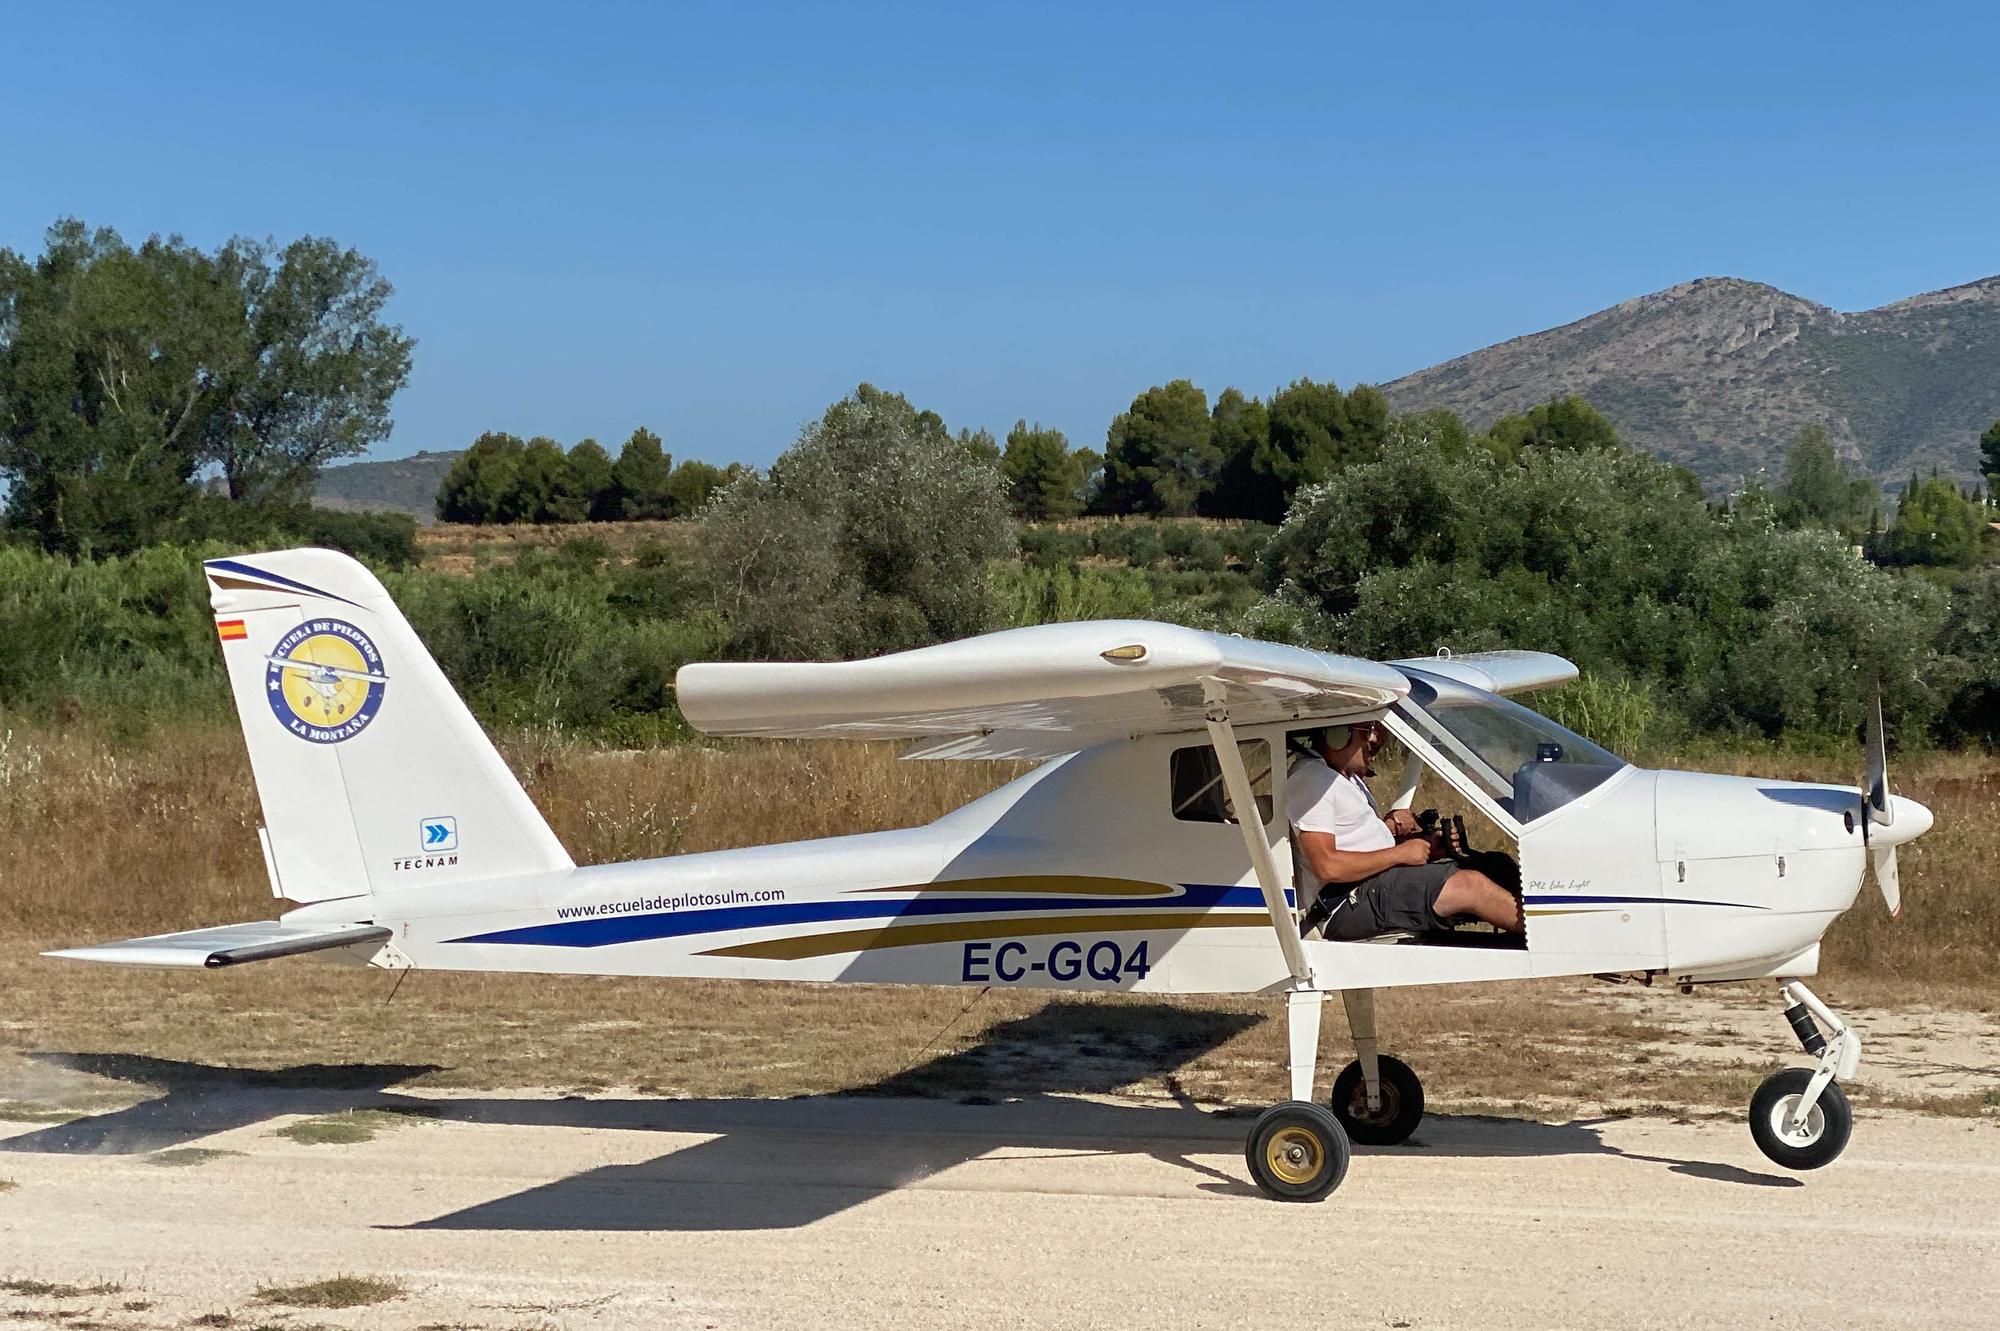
(1402, 897)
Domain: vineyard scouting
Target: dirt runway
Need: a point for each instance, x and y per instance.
(519, 1210)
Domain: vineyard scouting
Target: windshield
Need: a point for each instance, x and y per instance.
(1529, 764)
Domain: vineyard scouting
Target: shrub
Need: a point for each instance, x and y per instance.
(872, 533)
(1609, 559)
(1025, 594)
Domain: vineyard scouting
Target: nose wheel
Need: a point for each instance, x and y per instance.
(1800, 1117)
(1792, 1139)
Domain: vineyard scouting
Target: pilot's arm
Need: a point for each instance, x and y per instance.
(1331, 864)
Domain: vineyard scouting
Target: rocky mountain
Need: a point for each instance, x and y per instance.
(1720, 374)
(397, 485)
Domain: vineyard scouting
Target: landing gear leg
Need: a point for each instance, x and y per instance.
(1376, 1098)
(1297, 1151)
(1360, 1004)
(1302, 1009)
(1800, 1118)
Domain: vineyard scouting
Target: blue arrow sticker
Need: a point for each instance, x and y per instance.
(439, 833)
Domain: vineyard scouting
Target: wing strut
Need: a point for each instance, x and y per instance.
(1241, 798)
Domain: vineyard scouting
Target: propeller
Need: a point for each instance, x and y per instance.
(1878, 809)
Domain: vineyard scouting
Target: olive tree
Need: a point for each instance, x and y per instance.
(872, 533)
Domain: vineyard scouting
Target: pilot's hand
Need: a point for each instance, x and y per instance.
(1402, 822)
(1417, 850)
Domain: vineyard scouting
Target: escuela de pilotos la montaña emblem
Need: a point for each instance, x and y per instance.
(325, 680)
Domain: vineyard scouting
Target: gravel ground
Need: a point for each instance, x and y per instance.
(523, 1209)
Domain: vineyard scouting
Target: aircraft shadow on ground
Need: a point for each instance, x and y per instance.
(196, 1101)
(781, 1164)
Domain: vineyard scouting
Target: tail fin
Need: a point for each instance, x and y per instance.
(370, 769)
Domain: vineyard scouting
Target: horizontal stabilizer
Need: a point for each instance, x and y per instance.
(226, 945)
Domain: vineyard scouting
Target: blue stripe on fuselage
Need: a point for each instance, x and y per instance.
(1546, 899)
(604, 930)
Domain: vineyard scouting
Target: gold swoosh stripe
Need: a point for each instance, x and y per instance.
(800, 947)
(229, 583)
(1041, 885)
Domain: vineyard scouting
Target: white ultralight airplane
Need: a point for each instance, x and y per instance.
(1119, 863)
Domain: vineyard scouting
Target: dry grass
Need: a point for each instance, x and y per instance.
(99, 840)
(98, 836)
(452, 547)
(43, 1289)
(350, 1127)
(186, 1157)
(337, 1292)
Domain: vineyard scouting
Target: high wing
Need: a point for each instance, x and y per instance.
(1498, 672)
(1034, 692)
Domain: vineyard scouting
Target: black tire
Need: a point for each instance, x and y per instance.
(1297, 1152)
(1402, 1106)
(1827, 1127)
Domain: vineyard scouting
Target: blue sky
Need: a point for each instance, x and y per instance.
(713, 220)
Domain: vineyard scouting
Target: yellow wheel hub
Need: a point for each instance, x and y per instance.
(1295, 1155)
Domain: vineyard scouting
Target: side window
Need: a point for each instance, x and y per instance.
(1198, 793)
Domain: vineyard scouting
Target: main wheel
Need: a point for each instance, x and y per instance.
(1401, 1108)
(1297, 1152)
(1817, 1141)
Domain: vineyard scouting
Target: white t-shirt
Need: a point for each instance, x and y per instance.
(1319, 799)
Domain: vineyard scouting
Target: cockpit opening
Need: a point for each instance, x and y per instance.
(1527, 764)
(1374, 868)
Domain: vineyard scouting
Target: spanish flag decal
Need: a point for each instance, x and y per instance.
(230, 630)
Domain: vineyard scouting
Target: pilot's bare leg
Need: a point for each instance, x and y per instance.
(1469, 892)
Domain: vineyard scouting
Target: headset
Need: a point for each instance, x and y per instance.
(1310, 742)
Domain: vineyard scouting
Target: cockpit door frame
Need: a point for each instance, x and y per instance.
(1420, 744)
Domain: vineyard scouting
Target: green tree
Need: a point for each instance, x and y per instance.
(1608, 558)
(1044, 478)
(869, 534)
(1818, 492)
(123, 370)
(1160, 456)
(694, 482)
(312, 366)
(1438, 425)
(1989, 455)
(1315, 431)
(641, 477)
(480, 483)
(541, 478)
(1090, 473)
(1242, 431)
(1568, 424)
(590, 481)
(1936, 526)
(1309, 436)
(1367, 421)
(981, 444)
(1971, 641)
(112, 361)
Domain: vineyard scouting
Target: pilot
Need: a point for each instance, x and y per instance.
(1376, 875)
